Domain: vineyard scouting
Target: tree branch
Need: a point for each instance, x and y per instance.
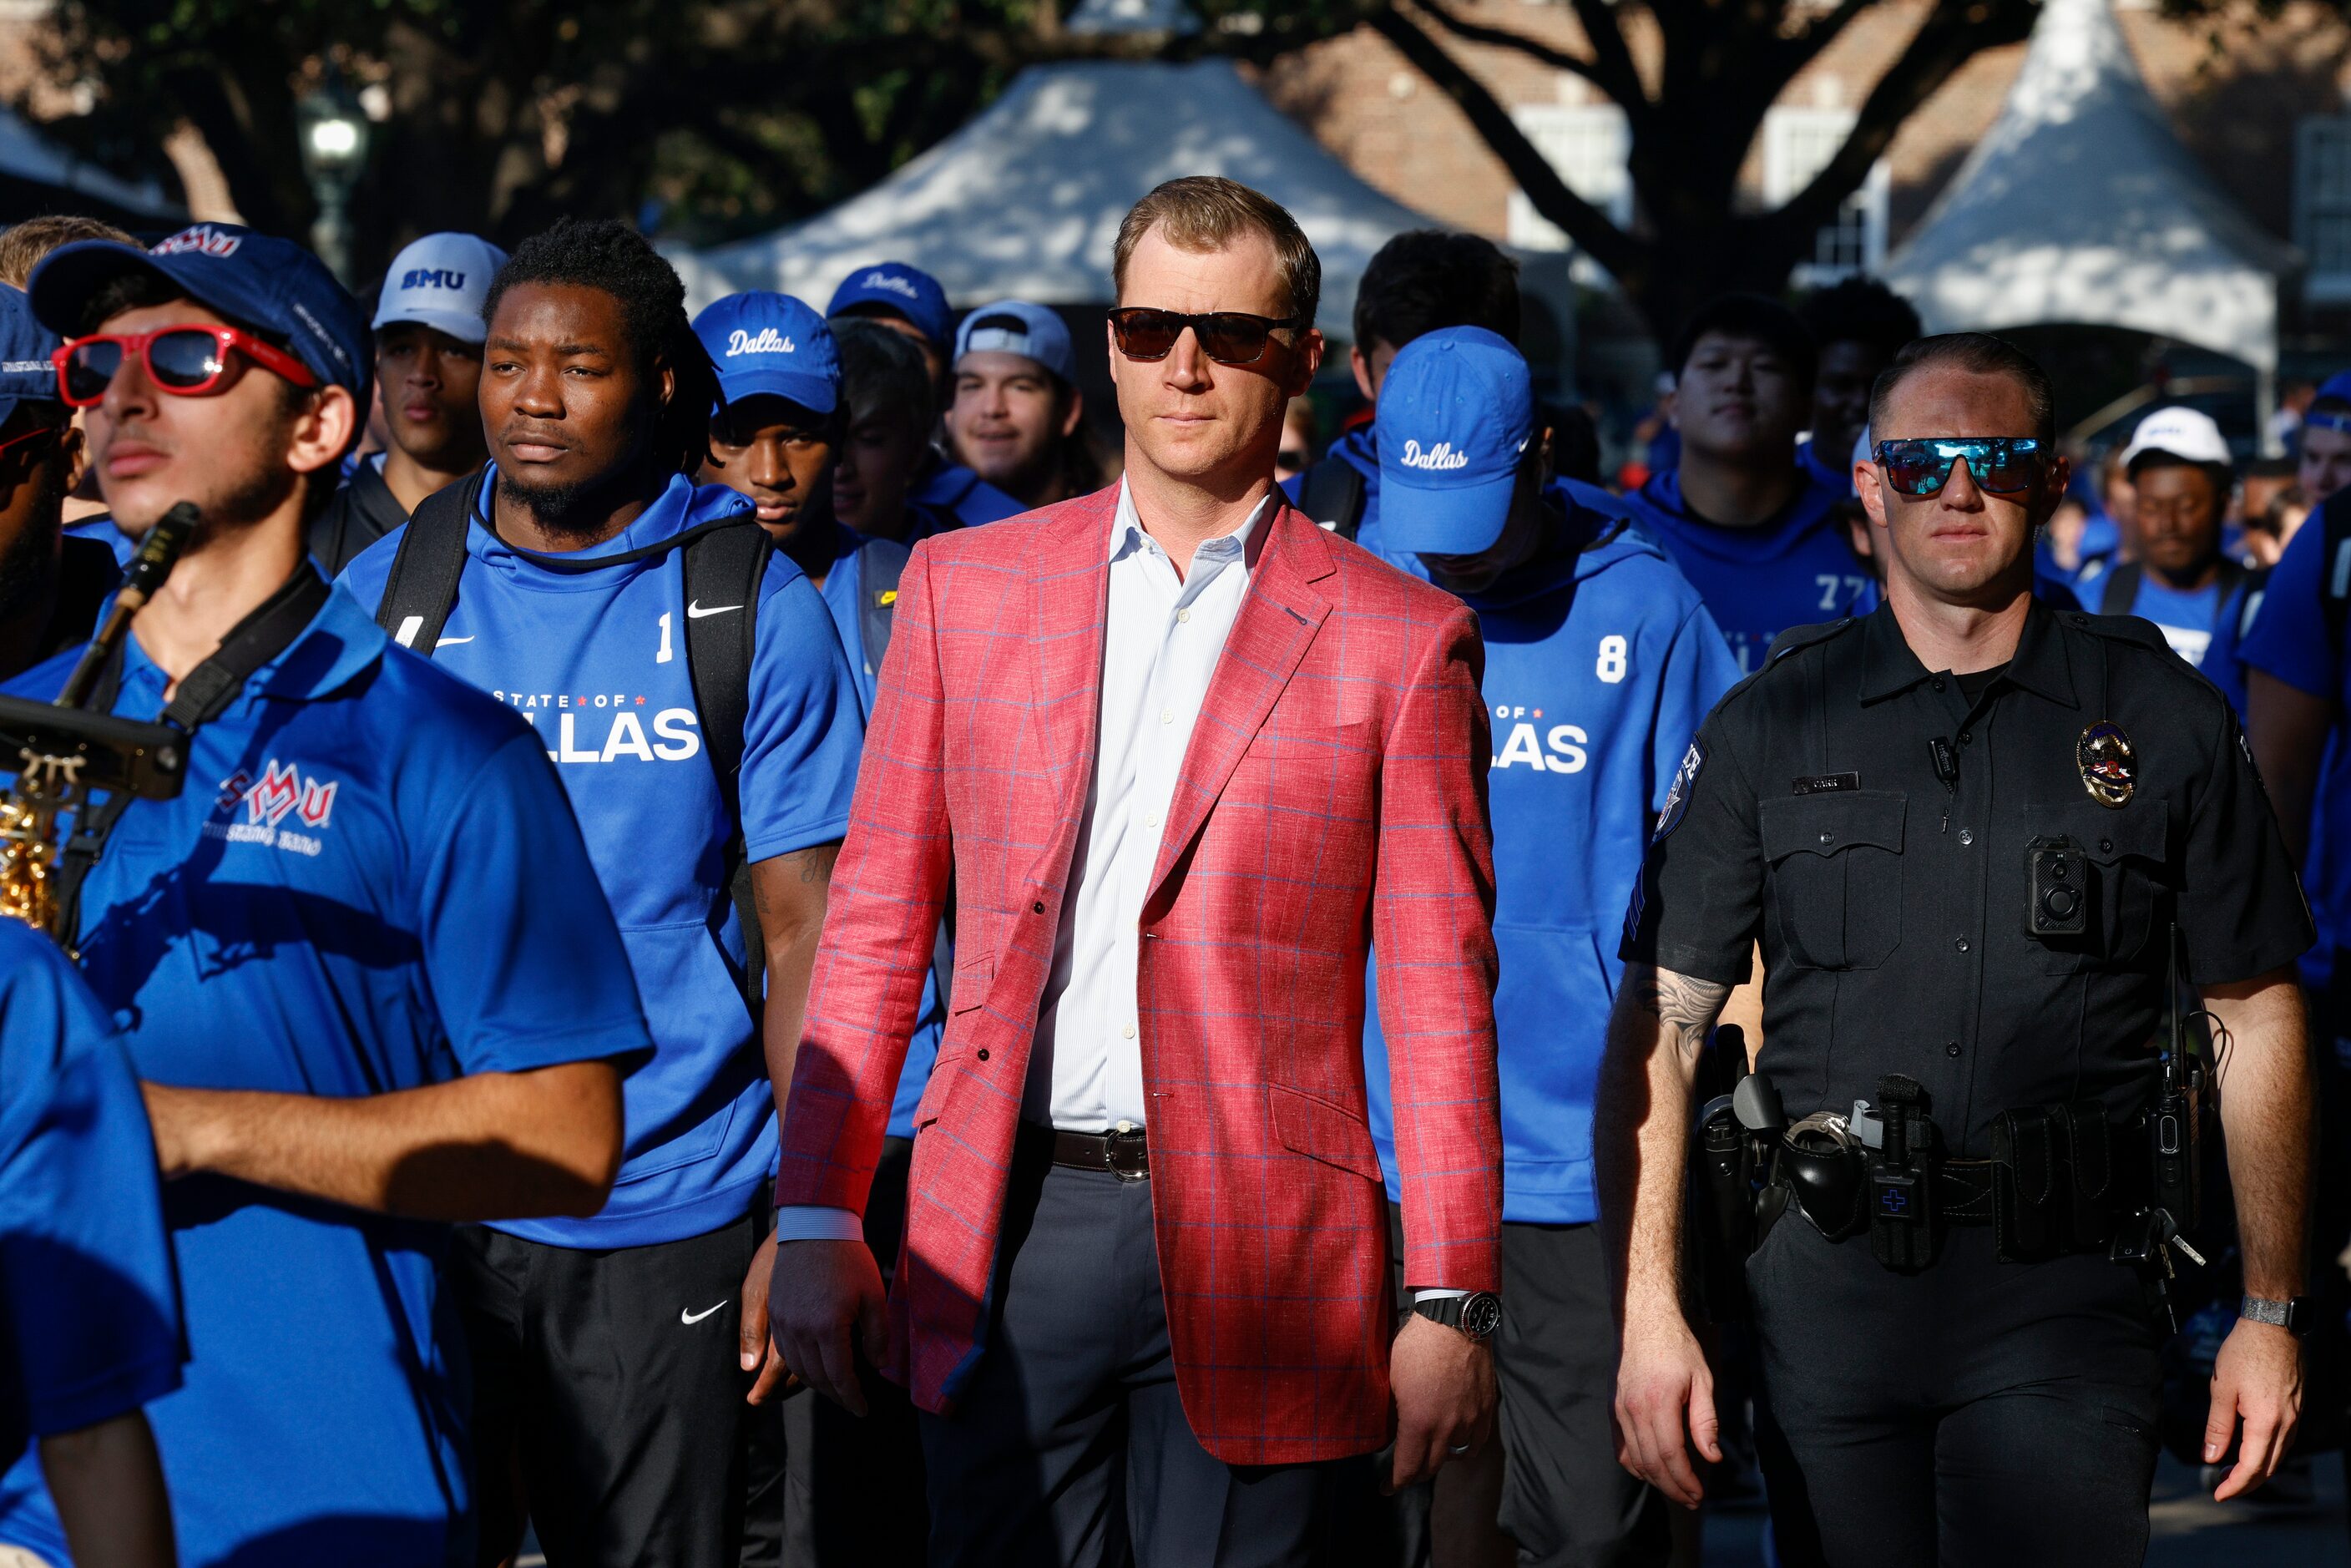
(1611, 246)
(1535, 49)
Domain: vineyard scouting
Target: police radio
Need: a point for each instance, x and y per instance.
(2175, 1122)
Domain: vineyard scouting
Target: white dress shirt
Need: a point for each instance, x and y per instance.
(1160, 641)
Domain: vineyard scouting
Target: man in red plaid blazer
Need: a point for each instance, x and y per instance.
(1184, 760)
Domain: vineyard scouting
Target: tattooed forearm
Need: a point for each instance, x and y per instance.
(1683, 1006)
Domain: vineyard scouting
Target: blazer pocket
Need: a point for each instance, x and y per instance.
(1322, 1131)
(969, 987)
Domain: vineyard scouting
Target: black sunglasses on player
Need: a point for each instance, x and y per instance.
(2003, 464)
(1227, 336)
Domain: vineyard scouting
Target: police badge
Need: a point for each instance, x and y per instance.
(2109, 767)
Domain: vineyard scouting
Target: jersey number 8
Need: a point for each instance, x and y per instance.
(1611, 667)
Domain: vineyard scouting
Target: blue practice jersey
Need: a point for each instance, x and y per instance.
(1793, 570)
(850, 588)
(1600, 663)
(91, 1313)
(371, 883)
(2186, 618)
(594, 658)
(2288, 639)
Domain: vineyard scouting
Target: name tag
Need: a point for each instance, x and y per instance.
(1826, 783)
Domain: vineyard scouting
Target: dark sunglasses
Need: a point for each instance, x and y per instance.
(186, 362)
(1227, 336)
(2003, 464)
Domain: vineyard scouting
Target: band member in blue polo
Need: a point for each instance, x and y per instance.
(606, 1353)
(91, 1315)
(1600, 663)
(362, 961)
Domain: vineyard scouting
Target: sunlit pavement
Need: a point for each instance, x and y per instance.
(2191, 1529)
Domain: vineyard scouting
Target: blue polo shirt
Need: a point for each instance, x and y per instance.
(952, 490)
(850, 584)
(1792, 570)
(371, 883)
(2288, 640)
(91, 1311)
(1600, 663)
(589, 649)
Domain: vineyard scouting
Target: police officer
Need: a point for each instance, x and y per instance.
(1970, 832)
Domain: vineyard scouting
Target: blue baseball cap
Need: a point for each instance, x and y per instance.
(902, 290)
(1017, 327)
(1456, 413)
(27, 372)
(269, 285)
(441, 281)
(761, 342)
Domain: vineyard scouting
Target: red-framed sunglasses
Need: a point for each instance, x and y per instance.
(185, 362)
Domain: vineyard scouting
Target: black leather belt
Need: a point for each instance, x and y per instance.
(1123, 1154)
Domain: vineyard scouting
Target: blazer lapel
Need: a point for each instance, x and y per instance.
(1070, 570)
(1279, 618)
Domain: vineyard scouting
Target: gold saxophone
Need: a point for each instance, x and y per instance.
(63, 751)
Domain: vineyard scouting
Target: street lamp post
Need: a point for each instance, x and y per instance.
(334, 134)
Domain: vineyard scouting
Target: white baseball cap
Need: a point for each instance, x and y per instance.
(2184, 432)
(441, 281)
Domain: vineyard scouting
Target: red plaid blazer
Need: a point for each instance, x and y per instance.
(1332, 804)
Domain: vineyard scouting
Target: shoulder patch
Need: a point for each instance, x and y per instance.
(1677, 798)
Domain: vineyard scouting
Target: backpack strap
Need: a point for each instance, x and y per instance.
(1331, 493)
(2120, 591)
(725, 567)
(880, 564)
(422, 587)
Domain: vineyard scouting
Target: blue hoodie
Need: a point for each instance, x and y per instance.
(1600, 663)
(1793, 570)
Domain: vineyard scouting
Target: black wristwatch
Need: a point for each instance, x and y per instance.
(1477, 1314)
(2297, 1317)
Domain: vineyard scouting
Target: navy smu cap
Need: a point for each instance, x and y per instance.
(897, 289)
(772, 343)
(27, 374)
(1456, 413)
(267, 286)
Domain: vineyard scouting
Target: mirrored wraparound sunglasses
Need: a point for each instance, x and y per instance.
(1227, 336)
(2003, 464)
(185, 362)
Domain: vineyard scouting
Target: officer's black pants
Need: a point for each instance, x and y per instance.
(1976, 1413)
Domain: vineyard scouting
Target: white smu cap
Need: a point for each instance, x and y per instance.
(2184, 432)
(441, 282)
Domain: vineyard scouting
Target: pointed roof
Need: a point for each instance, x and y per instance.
(1024, 202)
(2080, 205)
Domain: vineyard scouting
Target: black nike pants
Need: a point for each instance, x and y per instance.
(1974, 1413)
(608, 1397)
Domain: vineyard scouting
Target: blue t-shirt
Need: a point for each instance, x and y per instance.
(2186, 617)
(594, 657)
(852, 584)
(91, 1313)
(101, 529)
(1793, 570)
(2288, 640)
(952, 490)
(371, 883)
(1600, 663)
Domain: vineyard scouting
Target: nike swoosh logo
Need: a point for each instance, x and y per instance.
(696, 612)
(447, 641)
(682, 1315)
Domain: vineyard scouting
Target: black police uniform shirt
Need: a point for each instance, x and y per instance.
(1870, 824)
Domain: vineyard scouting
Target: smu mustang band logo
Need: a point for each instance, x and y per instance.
(284, 791)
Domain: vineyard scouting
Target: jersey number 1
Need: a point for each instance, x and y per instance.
(663, 657)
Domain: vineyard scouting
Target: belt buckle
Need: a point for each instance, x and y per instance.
(1125, 1151)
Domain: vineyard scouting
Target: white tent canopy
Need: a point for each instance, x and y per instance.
(2079, 205)
(1025, 201)
(27, 154)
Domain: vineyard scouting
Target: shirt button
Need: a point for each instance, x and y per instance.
(1166, 716)
(1129, 1032)
(1035, 909)
(1184, 615)
(1951, 1049)
(1965, 737)
(1824, 838)
(1938, 684)
(1152, 821)
(1967, 837)
(2105, 846)
(1961, 944)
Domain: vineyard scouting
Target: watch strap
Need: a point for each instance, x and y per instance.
(2293, 1316)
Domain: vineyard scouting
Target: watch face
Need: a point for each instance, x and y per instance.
(1481, 1314)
